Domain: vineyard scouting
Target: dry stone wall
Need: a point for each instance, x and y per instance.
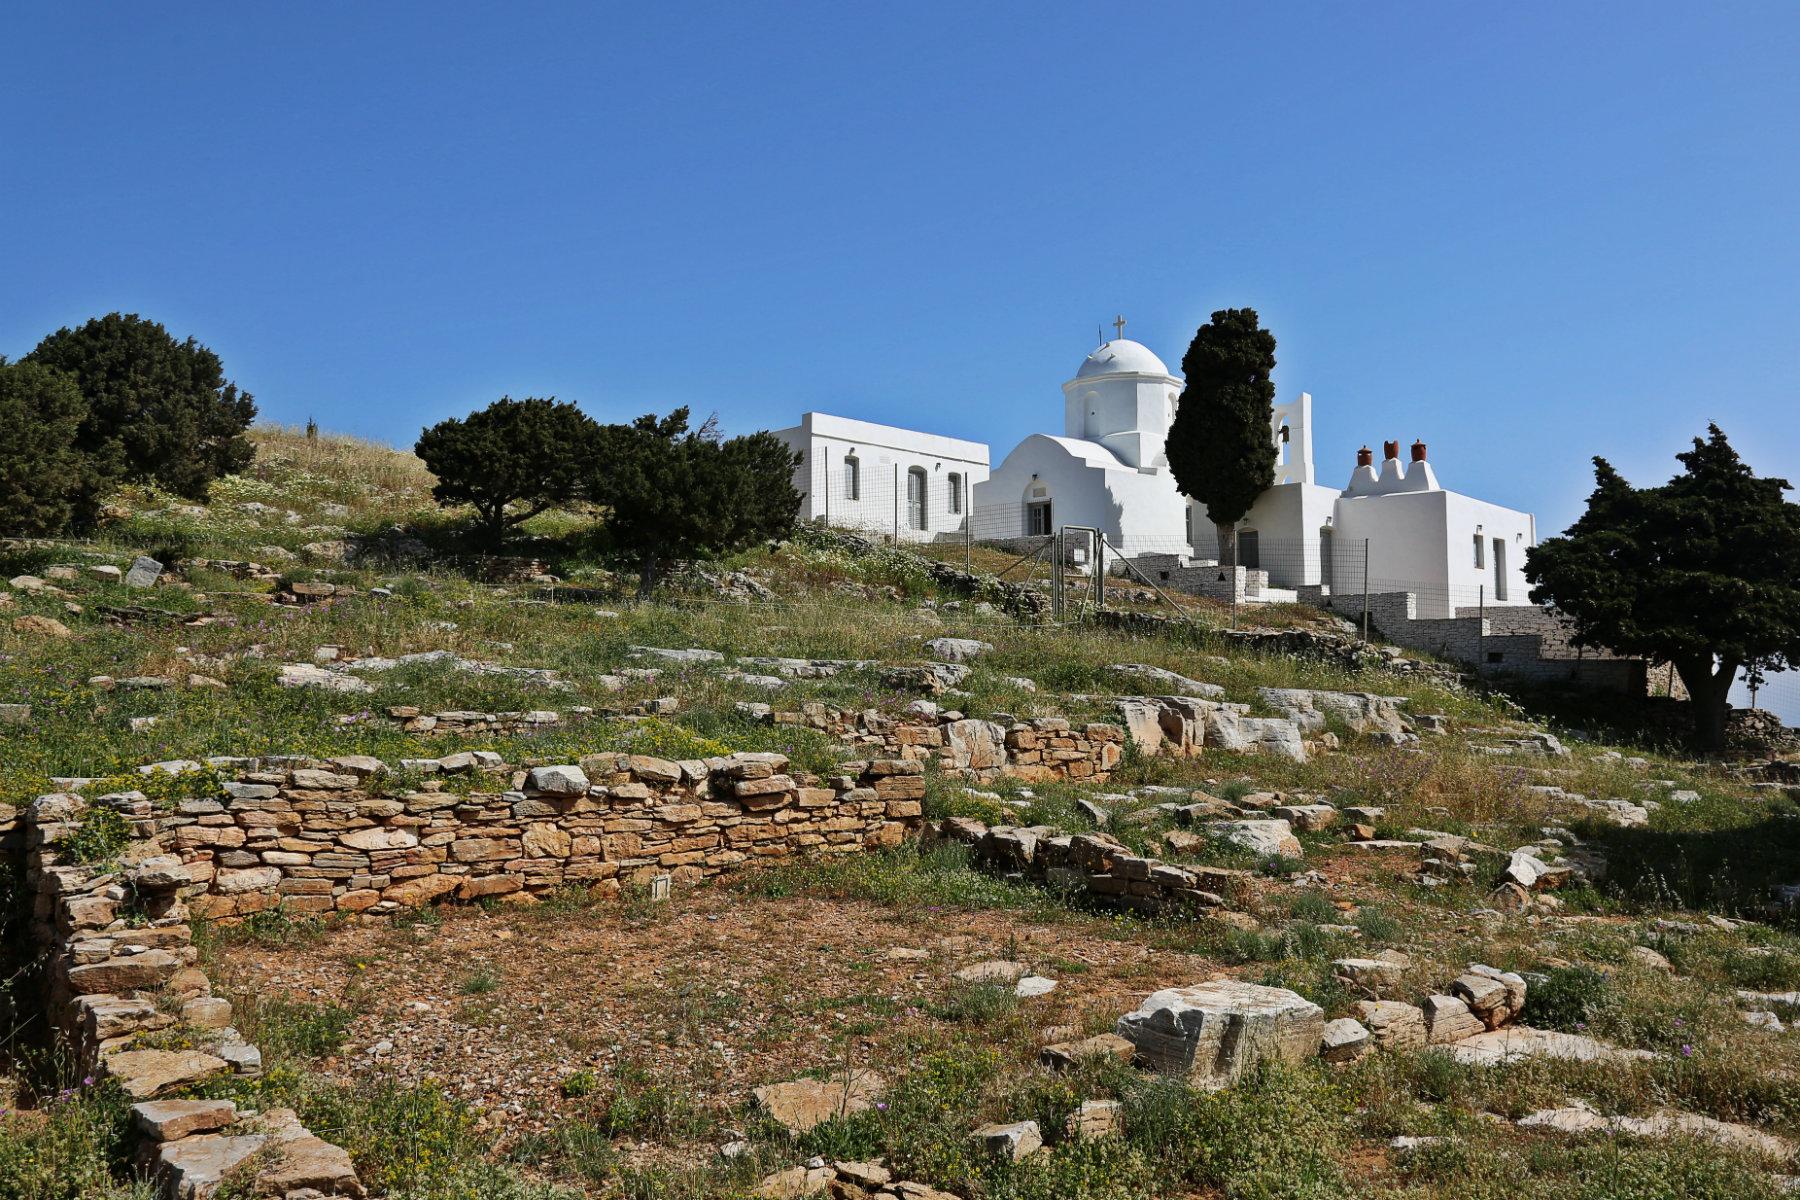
(1038, 749)
(323, 836)
(120, 969)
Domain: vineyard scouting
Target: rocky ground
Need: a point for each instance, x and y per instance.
(1335, 925)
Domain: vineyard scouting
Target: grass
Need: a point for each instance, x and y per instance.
(1306, 1133)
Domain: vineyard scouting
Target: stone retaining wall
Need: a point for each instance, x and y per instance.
(1099, 866)
(119, 965)
(1038, 749)
(320, 836)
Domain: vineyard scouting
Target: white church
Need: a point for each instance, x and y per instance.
(1392, 525)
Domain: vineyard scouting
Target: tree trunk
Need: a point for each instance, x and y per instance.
(1709, 692)
(646, 574)
(1227, 535)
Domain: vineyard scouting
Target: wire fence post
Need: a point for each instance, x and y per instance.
(1480, 627)
(1365, 582)
(969, 543)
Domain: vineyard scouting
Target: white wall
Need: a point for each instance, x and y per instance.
(1423, 542)
(885, 455)
(1138, 512)
(1517, 531)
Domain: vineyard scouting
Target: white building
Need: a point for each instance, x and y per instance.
(1109, 471)
(884, 479)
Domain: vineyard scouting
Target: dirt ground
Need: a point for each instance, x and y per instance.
(712, 992)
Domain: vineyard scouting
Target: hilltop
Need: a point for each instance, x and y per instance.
(463, 848)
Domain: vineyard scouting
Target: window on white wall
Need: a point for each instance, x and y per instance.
(915, 497)
(956, 499)
(1480, 558)
(852, 477)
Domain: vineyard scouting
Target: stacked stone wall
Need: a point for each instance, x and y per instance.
(120, 969)
(1038, 749)
(325, 836)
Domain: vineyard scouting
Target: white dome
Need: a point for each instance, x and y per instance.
(1121, 357)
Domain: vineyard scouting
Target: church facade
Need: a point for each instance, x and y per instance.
(1393, 527)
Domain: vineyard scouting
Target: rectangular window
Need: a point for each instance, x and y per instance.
(852, 478)
(1037, 519)
(1480, 561)
(955, 493)
(1500, 568)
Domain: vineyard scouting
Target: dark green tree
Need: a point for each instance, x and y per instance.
(509, 461)
(672, 492)
(1702, 572)
(158, 410)
(1219, 447)
(41, 471)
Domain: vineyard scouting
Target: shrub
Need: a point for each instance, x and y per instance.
(1568, 998)
(100, 835)
(509, 461)
(158, 410)
(300, 1028)
(67, 1149)
(40, 468)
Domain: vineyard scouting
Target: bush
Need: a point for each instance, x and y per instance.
(40, 469)
(67, 1149)
(102, 834)
(1569, 998)
(510, 461)
(158, 410)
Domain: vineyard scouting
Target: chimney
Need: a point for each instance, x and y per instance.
(1418, 451)
(1390, 450)
(1365, 457)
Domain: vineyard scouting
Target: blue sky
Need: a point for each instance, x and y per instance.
(1528, 233)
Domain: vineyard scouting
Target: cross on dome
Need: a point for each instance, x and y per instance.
(1119, 326)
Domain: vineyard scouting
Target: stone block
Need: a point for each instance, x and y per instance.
(1219, 1029)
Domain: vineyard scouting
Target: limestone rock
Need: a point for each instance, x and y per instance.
(1521, 1041)
(1344, 1040)
(1014, 1141)
(1448, 1019)
(1219, 1029)
(557, 781)
(192, 1168)
(957, 650)
(145, 1074)
(305, 675)
(1000, 972)
(1270, 838)
(1393, 1025)
(795, 1183)
(144, 572)
(171, 1120)
(803, 1103)
(1095, 1118)
(41, 626)
(1102, 1045)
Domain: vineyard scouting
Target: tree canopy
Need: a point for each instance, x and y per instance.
(1219, 447)
(158, 410)
(673, 492)
(42, 473)
(1703, 572)
(510, 461)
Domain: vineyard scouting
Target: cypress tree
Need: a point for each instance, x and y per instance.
(1219, 447)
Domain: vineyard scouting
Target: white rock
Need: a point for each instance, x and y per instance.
(1219, 1029)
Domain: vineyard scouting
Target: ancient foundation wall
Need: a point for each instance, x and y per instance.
(1038, 749)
